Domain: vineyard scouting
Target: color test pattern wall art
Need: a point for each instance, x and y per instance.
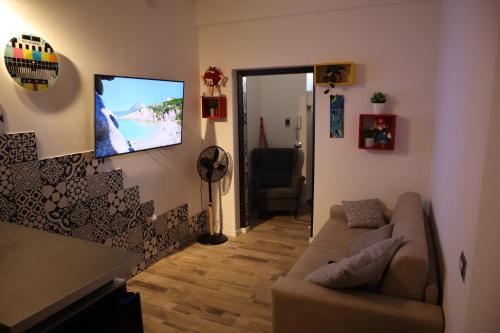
(31, 62)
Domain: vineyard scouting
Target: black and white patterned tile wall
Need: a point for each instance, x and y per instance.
(75, 196)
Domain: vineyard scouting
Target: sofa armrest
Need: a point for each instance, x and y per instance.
(300, 306)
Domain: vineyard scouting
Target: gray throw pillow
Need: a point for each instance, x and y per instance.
(370, 238)
(368, 213)
(360, 269)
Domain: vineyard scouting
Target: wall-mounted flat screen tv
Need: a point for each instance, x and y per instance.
(134, 114)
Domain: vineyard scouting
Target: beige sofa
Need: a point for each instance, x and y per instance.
(407, 301)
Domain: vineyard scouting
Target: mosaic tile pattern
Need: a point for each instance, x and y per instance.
(96, 185)
(8, 208)
(78, 214)
(198, 224)
(73, 195)
(135, 238)
(84, 232)
(58, 222)
(52, 171)
(55, 196)
(116, 202)
(135, 217)
(77, 190)
(94, 166)
(25, 175)
(6, 184)
(17, 148)
(4, 153)
(76, 165)
(29, 206)
(131, 197)
(114, 181)
(119, 223)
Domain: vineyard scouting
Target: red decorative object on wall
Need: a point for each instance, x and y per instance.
(213, 79)
(377, 132)
(213, 107)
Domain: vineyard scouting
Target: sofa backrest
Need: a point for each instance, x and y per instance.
(274, 167)
(407, 274)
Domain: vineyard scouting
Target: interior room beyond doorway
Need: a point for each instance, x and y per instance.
(279, 111)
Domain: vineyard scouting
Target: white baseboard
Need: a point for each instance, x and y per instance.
(232, 233)
(239, 231)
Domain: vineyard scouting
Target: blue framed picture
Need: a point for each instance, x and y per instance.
(336, 116)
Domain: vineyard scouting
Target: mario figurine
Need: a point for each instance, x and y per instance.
(382, 136)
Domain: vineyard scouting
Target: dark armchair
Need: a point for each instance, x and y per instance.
(276, 182)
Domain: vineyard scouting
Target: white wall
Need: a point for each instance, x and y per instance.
(110, 37)
(279, 97)
(464, 185)
(275, 98)
(395, 48)
(483, 303)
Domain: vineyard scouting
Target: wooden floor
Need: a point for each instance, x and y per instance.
(223, 288)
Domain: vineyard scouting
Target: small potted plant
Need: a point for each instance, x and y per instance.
(378, 102)
(369, 137)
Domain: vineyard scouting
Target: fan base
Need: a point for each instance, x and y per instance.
(207, 239)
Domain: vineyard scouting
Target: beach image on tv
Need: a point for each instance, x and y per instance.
(136, 114)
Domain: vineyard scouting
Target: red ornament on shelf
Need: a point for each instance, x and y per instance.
(213, 79)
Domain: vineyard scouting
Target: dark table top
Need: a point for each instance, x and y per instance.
(42, 273)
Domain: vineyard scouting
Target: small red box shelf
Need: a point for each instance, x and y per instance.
(213, 107)
(383, 128)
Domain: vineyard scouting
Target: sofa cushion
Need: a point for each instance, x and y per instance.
(278, 193)
(313, 258)
(406, 276)
(367, 213)
(370, 238)
(359, 269)
(336, 234)
(338, 212)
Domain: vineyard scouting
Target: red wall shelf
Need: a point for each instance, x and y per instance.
(213, 107)
(367, 121)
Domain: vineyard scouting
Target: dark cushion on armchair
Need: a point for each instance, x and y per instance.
(276, 179)
(274, 166)
(278, 193)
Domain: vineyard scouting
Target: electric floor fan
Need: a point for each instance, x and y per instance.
(212, 166)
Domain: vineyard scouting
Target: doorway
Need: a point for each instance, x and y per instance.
(290, 130)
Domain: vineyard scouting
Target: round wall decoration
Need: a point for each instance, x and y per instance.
(31, 62)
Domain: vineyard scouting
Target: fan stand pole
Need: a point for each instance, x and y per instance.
(210, 209)
(211, 238)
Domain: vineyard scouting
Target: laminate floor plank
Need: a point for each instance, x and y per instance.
(224, 288)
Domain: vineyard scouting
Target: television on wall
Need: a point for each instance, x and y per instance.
(134, 114)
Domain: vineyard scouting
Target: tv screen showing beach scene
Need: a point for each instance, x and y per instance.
(134, 114)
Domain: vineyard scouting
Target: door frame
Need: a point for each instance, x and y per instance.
(242, 138)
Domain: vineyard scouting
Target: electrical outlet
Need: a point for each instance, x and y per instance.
(462, 265)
